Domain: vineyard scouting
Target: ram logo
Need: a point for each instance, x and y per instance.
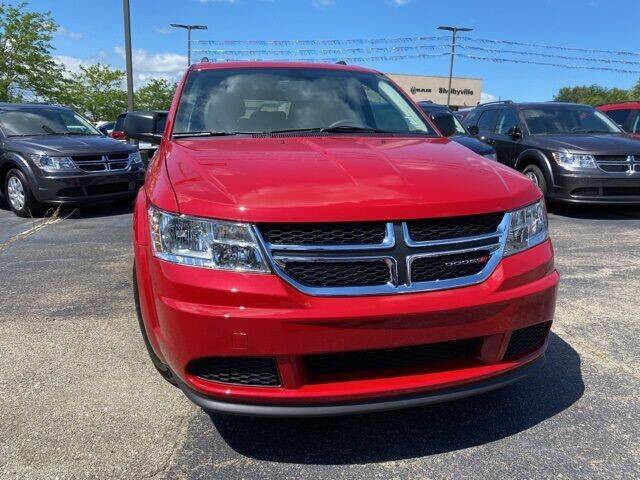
(467, 261)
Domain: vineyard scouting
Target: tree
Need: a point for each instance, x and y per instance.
(27, 68)
(97, 92)
(593, 94)
(155, 95)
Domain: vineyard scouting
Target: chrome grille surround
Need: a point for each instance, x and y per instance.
(620, 164)
(399, 251)
(118, 162)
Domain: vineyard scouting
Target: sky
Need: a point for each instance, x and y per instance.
(92, 31)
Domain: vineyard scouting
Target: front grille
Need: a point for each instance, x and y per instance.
(525, 340)
(102, 163)
(391, 358)
(339, 274)
(379, 258)
(628, 164)
(253, 371)
(454, 227)
(427, 269)
(366, 233)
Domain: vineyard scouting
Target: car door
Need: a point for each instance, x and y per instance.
(507, 136)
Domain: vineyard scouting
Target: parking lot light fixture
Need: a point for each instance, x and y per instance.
(454, 31)
(188, 28)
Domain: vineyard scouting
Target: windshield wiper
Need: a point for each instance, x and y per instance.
(205, 134)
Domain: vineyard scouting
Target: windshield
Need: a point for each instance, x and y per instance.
(44, 121)
(265, 100)
(551, 119)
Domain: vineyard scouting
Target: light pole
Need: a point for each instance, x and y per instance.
(188, 28)
(454, 31)
(127, 53)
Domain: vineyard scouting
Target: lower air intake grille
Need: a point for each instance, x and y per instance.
(339, 274)
(392, 358)
(253, 371)
(427, 269)
(525, 340)
(453, 227)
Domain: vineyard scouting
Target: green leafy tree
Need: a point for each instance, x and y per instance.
(27, 68)
(593, 94)
(97, 92)
(155, 95)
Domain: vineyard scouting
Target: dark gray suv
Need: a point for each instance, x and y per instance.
(572, 152)
(51, 155)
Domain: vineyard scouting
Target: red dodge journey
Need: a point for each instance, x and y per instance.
(307, 243)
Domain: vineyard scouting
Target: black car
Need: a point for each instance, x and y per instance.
(572, 152)
(450, 126)
(147, 150)
(51, 155)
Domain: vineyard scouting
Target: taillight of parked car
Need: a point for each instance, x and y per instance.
(118, 135)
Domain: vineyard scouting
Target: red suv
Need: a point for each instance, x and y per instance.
(625, 114)
(306, 243)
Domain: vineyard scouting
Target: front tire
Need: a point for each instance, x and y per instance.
(18, 194)
(536, 175)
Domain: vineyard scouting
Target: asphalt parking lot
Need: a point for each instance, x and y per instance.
(80, 399)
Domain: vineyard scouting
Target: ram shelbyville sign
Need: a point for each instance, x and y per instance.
(465, 92)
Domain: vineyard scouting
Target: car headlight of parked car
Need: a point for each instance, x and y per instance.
(491, 156)
(135, 158)
(205, 243)
(527, 228)
(53, 164)
(575, 161)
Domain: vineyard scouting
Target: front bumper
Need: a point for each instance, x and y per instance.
(596, 188)
(88, 187)
(192, 313)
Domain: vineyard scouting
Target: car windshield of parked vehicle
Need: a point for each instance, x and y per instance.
(44, 121)
(261, 100)
(551, 119)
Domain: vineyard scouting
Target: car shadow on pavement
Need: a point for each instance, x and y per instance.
(596, 212)
(416, 432)
(93, 210)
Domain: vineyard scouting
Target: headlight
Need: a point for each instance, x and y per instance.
(527, 228)
(575, 161)
(491, 156)
(135, 158)
(205, 243)
(53, 164)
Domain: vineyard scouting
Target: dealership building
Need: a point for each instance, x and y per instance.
(465, 92)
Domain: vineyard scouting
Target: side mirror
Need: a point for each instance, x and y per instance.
(473, 130)
(445, 123)
(143, 126)
(515, 133)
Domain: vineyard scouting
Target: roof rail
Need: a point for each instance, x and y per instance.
(494, 102)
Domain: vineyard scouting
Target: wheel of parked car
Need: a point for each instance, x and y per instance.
(536, 176)
(19, 196)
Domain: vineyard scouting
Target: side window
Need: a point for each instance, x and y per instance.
(619, 116)
(508, 119)
(487, 120)
(635, 125)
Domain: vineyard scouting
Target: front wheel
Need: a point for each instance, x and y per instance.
(19, 196)
(533, 173)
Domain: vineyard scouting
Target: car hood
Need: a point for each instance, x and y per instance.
(338, 178)
(67, 145)
(595, 144)
(473, 144)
